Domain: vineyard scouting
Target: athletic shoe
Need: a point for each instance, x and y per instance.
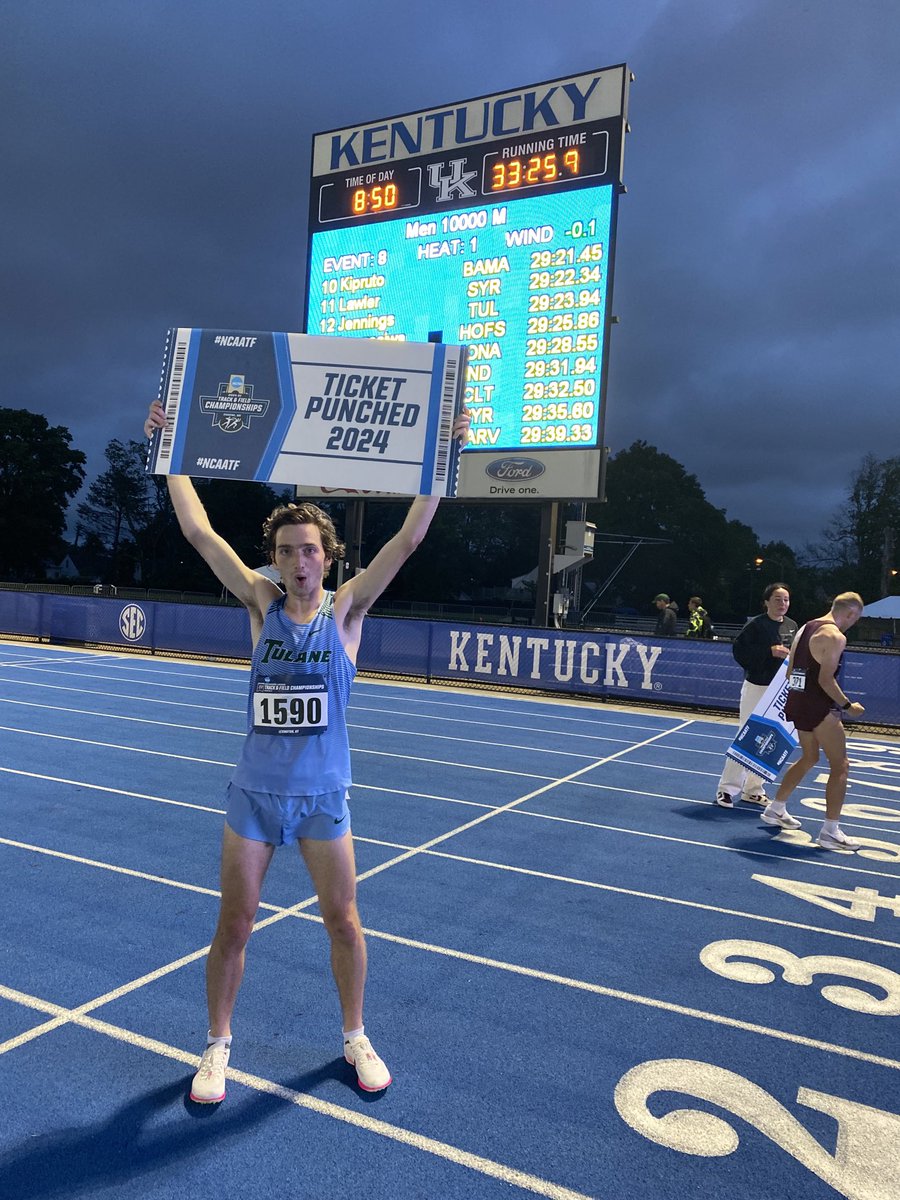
(838, 841)
(371, 1073)
(724, 800)
(209, 1082)
(785, 820)
(756, 798)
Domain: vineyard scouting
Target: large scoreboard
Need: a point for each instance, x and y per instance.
(490, 222)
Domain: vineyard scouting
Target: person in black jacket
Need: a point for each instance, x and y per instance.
(668, 616)
(760, 648)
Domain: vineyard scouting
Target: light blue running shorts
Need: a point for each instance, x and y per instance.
(281, 820)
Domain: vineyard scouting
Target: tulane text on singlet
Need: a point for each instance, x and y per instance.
(300, 679)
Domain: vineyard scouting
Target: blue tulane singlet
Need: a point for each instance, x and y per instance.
(300, 681)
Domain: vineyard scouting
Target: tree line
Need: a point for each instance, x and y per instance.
(125, 531)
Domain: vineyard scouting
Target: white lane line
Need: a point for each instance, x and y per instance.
(82, 741)
(222, 709)
(41, 662)
(581, 783)
(488, 816)
(620, 891)
(392, 791)
(425, 847)
(636, 998)
(461, 766)
(370, 787)
(134, 985)
(548, 876)
(181, 687)
(108, 716)
(78, 1015)
(116, 870)
(444, 737)
(297, 910)
(99, 787)
(381, 711)
(501, 700)
(324, 1108)
(61, 687)
(386, 754)
(814, 859)
(858, 783)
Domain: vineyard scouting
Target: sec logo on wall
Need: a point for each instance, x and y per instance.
(132, 622)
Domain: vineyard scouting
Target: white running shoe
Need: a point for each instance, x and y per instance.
(208, 1086)
(838, 841)
(724, 799)
(371, 1073)
(756, 798)
(785, 820)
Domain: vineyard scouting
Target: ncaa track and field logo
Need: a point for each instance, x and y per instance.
(234, 406)
(132, 622)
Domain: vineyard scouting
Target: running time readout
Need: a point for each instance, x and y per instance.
(508, 173)
(522, 283)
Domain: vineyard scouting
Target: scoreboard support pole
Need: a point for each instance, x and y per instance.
(543, 592)
(354, 521)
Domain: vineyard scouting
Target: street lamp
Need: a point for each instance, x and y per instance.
(754, 568)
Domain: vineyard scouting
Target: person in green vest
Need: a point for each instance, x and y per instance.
(699, 624)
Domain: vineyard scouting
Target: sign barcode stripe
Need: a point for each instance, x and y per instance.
(448, 411)
(173, 397)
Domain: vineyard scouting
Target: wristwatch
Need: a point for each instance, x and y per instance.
(844, 707)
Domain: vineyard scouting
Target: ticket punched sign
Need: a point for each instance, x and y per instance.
(293, 409)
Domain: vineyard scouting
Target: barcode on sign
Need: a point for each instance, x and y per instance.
(448, 411)
(173, 396)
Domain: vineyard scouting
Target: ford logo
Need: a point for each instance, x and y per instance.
(515, 468)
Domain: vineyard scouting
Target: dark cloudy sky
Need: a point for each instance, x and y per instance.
(155, 158)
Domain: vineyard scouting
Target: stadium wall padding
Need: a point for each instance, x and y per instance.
(607, 665)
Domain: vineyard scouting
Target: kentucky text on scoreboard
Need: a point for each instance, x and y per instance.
(491, 222)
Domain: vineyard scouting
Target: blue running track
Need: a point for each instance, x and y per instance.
(587, 980)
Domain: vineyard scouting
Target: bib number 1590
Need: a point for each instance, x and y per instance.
(290, 713)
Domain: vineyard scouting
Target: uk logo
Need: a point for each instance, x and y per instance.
(454, 185)
(234, 406)
(132, 622)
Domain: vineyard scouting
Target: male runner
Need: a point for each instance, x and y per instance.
(814, 704)
(290, 783)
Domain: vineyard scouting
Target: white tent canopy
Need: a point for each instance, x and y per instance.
(888, 607)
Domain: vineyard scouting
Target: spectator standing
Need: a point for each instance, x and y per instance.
(760, 648)
(668, 616)
(699, 624)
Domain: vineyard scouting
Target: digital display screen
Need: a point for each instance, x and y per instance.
(522, 282)
(491, 223)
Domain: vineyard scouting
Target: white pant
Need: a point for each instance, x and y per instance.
(736, 778)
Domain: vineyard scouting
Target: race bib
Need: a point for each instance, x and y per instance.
(797, 680)
(291, 705)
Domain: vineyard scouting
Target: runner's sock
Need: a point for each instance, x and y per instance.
(350, 1034)
(211, 1041)
(778, 807)
(830, 827)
